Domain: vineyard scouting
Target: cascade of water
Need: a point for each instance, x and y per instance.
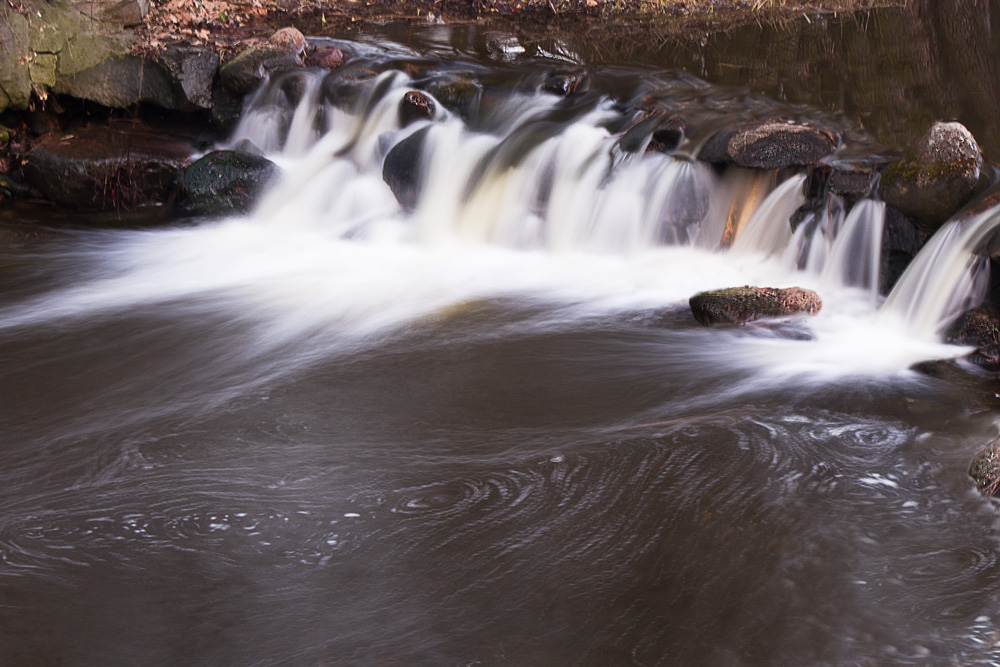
(768, 231)
(945, 278)
(853, 260)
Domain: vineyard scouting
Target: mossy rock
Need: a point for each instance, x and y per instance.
(737, 305)
(227, 182)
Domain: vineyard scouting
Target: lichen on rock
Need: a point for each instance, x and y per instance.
(737, 305)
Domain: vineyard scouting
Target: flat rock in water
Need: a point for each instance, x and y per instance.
(225, 182)
(985, 469)
(106, 166)
(776, 144)
(939, 179)
(737, 305)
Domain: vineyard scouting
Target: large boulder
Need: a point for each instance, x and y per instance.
(777, 144)
(979, 328)
(942, 175)
(124, 12)
(180, 78)
(114, 166)
(737, 305)
(227, 182)
(985, 470)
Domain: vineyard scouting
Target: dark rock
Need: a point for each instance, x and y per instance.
(564, 84)
(852, 182)
(901, 241)
(715, 149)
(941, 177)
(459, 94)
(192, 72)
(225, 182)
(246, 71)
(979, 328)
(326, 58)
(180, 79)
(775, 144)
(345, 87)
(985, 470)
(669, 135)
(737, 305)
(415, 106)
(106, 166)
(401, 168)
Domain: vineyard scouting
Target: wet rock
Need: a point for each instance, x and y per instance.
(415, 106)
(737, 305)
(715, 150)
(669, 135)
(106, 166)
(979, 328)
(227, 182)
(459, 94)
(180, 78)
(401, 168)
(941, 177)
(851, 182)
(901, 241)
(776, 144)
(246, 71)
(326, 58)
(345, 88)
(564, 84)
(985, 470)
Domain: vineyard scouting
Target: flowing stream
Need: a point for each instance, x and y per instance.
(482, 428)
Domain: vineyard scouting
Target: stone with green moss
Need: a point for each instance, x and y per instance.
(227, 182)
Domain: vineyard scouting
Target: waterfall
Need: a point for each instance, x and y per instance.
(945, 278)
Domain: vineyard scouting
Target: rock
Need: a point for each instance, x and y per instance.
(851, 181)
(985, 470)
(715, 149)
(979, 328)
(942, 176)
(106, 166)
(179, 79)
(226, 182)
(415, 106)
(669, 135)
(246, 71)
(776, 144)
(124, 12)
(564, 84)
(401, 168)
(327, 58)
(737, 305)
(192, 72)
(901, 241)
(288, 39)
(459, 93)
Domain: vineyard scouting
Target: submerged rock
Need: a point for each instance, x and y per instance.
(941, 177)
(415, 106)
(776, 144)
(564, 84)
(985, 470)
(106, 166)
(737, 305)
(224, 182)
(979, 328)
(458, 93)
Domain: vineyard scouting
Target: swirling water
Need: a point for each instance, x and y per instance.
(482, 431)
